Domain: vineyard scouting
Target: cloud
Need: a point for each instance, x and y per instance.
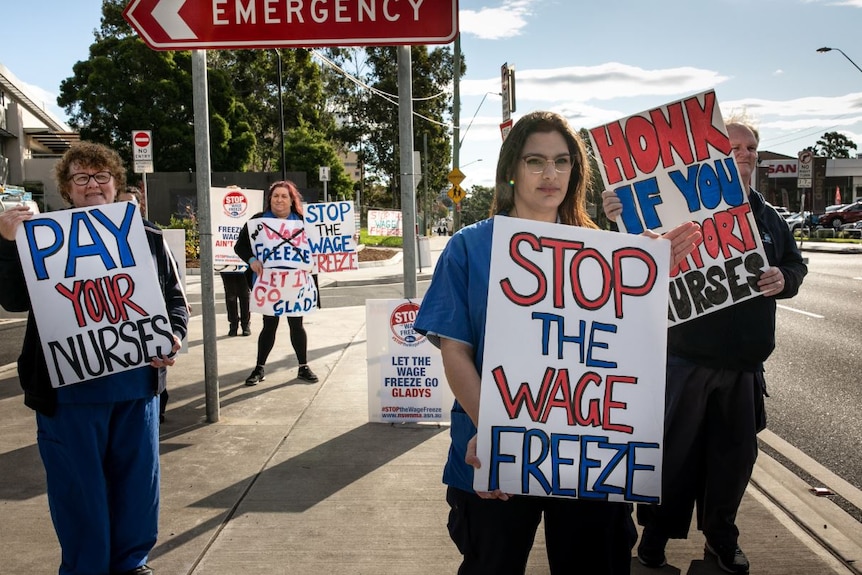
(604, 82)
(495, 23)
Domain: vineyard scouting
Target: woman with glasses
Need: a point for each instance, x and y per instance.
(282, 201)
(98, 439)
(542, 175)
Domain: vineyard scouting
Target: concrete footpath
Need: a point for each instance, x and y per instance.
(292, 479)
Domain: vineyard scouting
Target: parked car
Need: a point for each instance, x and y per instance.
(849, 214)
(798, 220)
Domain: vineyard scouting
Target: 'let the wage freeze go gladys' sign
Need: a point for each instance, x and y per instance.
(94, 291)
(573, 377)
(674, 164)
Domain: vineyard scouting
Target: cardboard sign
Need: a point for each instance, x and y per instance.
(406, 382)
(573, 378)
(94, 291)
(674, 164)
(384, 223)
(331, 231)
(230, 208)
(286, 286)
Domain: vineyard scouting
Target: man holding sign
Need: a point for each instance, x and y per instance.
(715, 389)
(97, 403)
(542, 176)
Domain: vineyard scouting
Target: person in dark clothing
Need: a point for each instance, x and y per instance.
(134, 195)
(98, 439)
(236, 300)
(282, 201)
(714, 405)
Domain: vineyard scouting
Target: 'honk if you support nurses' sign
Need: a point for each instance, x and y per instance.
(573, 377)
(94, 291)
(674, 164)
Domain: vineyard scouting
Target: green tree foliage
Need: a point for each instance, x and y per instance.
(368, 112)
(254, 82)
(834, 145)
(125, 86)
(306, 151)
(477, 205)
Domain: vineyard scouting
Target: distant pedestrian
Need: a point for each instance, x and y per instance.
(282, 201)
(236, 299)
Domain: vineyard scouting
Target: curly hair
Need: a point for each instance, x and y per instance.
(295, 196)
(572, 210)
(91, 156)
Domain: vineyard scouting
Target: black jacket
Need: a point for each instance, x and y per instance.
(32, 370)
(742, 336)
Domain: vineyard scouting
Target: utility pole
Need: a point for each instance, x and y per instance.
(456, 120)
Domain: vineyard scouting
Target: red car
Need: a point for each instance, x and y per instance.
(847, 215)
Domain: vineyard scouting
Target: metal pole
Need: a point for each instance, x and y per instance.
(408, 195)
(428, 223)
(456, 120)
(281, 117)
(204, 179)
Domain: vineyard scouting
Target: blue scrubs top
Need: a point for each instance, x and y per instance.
(454, 307)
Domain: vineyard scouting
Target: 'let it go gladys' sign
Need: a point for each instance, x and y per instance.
(286, 286)
(573, 377)
(94, 291)
(674, 164)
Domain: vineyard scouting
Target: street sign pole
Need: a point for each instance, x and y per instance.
(200, 99)
(405, 147)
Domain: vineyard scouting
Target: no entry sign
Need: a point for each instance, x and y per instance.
(142, 151)
(241, 24)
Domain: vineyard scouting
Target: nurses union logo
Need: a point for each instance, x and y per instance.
(401, 324)
(235, 204)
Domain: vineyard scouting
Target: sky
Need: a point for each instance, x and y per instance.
(593, 62)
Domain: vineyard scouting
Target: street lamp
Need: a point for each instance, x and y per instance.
(826, 49)
(473, 162)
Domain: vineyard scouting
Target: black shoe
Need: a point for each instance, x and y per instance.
(306, 374)
(246, 331)
(232, 332)
(257, 375)
(730, 557)
(651, 549)
(142, 570)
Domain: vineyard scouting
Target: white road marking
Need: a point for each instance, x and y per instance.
(808, 313)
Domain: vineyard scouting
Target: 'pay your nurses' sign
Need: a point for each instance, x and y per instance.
(573, 377)
(674, 164)
(94, 291)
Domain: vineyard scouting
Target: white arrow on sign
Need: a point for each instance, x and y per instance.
(167, 14)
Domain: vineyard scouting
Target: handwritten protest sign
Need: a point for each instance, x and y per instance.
(406, 382)
(331, 231)
(94, 291)
(384, 223)
(573, 378)
(286, 286)
(229, 210)
(674, 164)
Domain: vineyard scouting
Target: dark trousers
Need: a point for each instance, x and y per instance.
(581, 537)
(236, 299)
(298, 338)
(711, 423)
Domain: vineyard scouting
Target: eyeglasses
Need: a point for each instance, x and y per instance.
(84, 179)
(537, 164)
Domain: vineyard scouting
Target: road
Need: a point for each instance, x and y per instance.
(813, 376)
